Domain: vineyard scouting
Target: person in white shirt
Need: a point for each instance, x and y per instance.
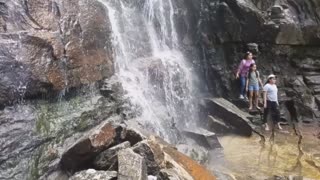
(270, 102)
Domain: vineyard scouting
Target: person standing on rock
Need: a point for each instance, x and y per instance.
(252, 85)
(242, 73)
(270, 102)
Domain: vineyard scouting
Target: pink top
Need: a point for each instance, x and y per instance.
(245, 66)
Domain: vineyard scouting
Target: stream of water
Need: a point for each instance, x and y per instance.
(152, 69)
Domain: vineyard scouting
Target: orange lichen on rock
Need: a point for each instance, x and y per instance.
(197, 171)
(172, 157)
(104, 137)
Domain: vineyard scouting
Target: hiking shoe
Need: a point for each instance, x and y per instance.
(241, 97)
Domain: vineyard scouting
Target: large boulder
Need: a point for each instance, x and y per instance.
(203, 137)
(131, 166)
(231, 115)
(82, 152)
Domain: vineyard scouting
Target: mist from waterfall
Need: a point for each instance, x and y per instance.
(150, 65)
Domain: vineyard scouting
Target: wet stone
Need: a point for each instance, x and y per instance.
(143, 149)
(107, 160)
(131, 166)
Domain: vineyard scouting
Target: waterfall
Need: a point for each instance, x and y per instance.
(150, 65)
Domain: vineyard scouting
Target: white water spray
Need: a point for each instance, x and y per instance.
(151, 68)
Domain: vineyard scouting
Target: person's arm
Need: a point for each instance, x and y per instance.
(265, 99)
(247, 82)
(260, 82)
(239, 69)
(265, 89)
(277, 98)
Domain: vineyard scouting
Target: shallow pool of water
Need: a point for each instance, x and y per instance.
(280, 155)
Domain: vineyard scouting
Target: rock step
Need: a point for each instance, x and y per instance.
(312, 80)
(231, 115)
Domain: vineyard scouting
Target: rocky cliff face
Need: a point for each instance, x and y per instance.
(50, 46)
(47, 46)
(284, 37)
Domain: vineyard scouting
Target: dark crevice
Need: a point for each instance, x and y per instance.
(27, 13)
(313, 164)
(298, 165)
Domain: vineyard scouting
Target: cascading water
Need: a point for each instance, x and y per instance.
(153, 71)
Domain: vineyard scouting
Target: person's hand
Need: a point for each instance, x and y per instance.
(237, 75)
(265, 105)
(246, 89)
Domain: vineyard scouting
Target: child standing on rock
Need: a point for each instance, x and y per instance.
(271, 104)
(252, 85)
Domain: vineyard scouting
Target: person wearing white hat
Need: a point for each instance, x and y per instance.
(270, 101)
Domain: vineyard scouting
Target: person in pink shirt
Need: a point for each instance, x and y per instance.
(242, 73)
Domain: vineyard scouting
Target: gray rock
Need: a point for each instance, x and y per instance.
(111, 88)
(169, 174)
(316, 89)
(231, 115)
(277, 12)
(55, 175)
(312, 80)
(92, 174)
(253, 47)
(203, 137)
(218, 125)
(107, 160)
(131, 166)
(143, 149)
(317, 98)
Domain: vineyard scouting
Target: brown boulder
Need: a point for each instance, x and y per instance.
(85, 149)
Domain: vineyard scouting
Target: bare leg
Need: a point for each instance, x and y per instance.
(265, 117)
(250, 99)
(256, 96)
